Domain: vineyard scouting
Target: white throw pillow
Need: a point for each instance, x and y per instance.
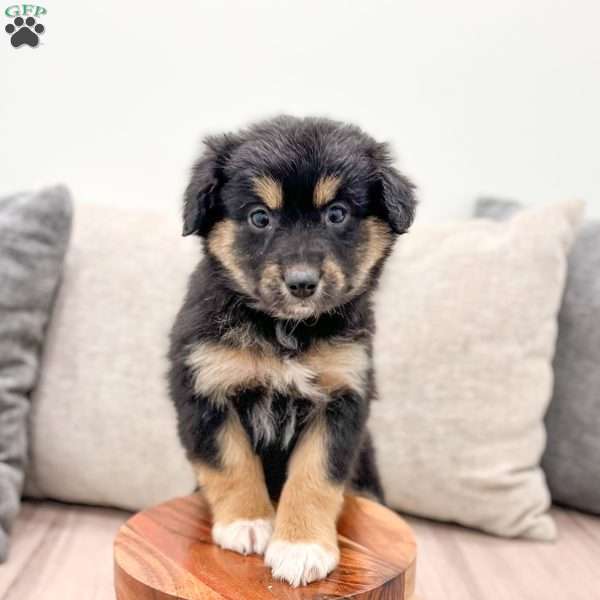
(103, 430)
(467, 322)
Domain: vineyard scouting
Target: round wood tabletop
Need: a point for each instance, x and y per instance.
(166, 552)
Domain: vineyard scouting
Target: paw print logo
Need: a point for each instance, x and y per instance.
(24, 32)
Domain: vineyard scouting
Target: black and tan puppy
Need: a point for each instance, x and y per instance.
(271, 371)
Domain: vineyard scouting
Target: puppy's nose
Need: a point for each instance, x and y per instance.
(301, 281)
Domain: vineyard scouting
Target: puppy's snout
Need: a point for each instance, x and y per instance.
(302, 280)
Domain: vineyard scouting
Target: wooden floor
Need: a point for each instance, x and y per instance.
(62, 552)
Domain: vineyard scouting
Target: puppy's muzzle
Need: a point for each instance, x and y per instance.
(301, 280)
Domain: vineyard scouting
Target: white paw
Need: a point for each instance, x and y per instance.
(243, 536)
(300, 563)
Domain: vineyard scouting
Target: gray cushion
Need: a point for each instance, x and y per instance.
(34, 231)
(572, 457)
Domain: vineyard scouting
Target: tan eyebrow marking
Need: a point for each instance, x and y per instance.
(269, 190)
(326, 189)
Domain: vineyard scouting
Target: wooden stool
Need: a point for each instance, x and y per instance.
(166, 552)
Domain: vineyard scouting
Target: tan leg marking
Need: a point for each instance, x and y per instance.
(269, 191)
(237, 494)
(310, 502)
(238, 489)
(221, 243)
(304, 544)
(326, 189)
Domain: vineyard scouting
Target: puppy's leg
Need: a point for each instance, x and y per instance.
(236, 491)
(304, 544)
(365, 480)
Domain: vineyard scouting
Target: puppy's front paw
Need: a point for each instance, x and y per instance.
(243, 536)
(299, 563)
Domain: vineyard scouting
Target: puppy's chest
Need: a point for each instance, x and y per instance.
(272, 419)
(224, 371)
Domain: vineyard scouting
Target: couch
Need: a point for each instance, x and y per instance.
(63, 550)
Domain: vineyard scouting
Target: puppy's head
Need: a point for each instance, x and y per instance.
(298, 213)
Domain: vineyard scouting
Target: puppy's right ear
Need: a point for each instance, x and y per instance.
(201, 202)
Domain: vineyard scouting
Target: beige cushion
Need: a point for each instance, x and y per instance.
(467, 326)
(103, 428)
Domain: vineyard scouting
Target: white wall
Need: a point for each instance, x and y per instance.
(477, 97)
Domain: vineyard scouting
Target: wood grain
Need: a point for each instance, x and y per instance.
(166, 553)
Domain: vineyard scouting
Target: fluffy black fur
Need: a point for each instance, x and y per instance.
(295, 152)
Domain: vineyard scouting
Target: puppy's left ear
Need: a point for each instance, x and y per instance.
(201, 202)
(392, 194)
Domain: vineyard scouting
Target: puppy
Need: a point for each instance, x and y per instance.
(271, 367)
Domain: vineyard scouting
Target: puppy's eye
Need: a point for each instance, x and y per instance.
(259, 218)
(337, 214)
